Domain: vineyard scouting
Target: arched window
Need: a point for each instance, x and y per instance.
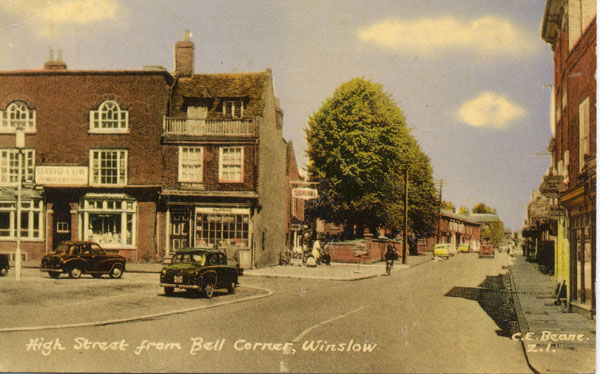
(109, 118)
(16, 114)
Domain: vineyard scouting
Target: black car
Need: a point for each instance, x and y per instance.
(199, 269)
(4, 265)
(82, 257)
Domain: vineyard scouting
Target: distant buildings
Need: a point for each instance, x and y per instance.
(454, 229)
(569, 27)
(146, 161)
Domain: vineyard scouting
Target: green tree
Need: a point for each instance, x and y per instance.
(358, 148)
(482, 208)
(493, 232)
(463, 210)
(448, 206)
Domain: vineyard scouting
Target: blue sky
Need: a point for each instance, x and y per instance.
(468, 74)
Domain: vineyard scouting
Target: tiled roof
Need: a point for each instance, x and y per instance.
(460, 217)
(213, 88)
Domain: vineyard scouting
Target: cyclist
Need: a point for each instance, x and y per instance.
(390, 256)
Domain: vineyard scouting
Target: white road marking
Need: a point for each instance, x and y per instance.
(297, 338)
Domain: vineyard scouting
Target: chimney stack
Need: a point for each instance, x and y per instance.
(184, 56)
(55, 64)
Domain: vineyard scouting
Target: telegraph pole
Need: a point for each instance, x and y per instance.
(405, 235)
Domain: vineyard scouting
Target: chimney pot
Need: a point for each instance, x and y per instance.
(50, 54)
(59, 55)
(184, 56)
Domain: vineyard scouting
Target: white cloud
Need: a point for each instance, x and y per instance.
(50, 18)
(490, 110)
(490, 35)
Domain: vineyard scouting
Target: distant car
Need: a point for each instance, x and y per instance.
(463, 249)
(487, 250)
(82, 257)
(4, 265)
(199, 269)
(441, 250)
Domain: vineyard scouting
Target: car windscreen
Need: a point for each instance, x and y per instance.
(198, 258)
(61, 248)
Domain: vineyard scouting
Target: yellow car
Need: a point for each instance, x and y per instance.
(463, 249)
(441, 250)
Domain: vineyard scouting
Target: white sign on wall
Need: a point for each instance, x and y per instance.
(61, 175)
(305, 193)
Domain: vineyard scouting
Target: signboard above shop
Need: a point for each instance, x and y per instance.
(305, 193)
(72, 176)
(552, 186)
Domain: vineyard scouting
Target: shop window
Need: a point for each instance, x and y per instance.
(231, 164)
(109, 220)
(16, 114)
(222, 229)
(109, 118)
(190, 164)
(31, 220)
(108, 167)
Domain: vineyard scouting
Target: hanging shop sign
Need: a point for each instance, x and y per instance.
(552, 186)
(305, 193)
(61, 175)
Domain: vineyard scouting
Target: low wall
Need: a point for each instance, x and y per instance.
(368, 252)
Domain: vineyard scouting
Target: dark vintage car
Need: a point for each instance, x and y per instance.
(4, 265)
(82, 257)
(487, 250)
(199, 269)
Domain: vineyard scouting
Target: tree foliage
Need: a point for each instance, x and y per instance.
(463, 210)
(493, 232)
(448, 206)
(358, 148)
(482, 208)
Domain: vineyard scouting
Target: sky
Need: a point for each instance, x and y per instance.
(473, 77)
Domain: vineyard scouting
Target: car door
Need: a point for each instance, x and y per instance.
(99, 259)
(224, 271)
(85, 254)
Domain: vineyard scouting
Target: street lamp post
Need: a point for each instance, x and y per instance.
(20, 144)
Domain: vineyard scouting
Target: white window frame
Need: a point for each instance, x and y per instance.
(17, 111)
(29, 208)
(188, 163)
(121, 158)
(230, 105)
(118, 124)
(125, 208)
(9, 166)
(584, 131)
(222, 165)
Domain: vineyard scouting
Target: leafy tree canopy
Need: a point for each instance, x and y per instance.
(448, 206)
(482, 208)
(358, 148)
(463, 210)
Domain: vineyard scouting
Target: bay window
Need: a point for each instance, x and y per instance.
(31, 220)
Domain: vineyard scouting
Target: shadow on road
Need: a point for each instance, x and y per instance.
(495, 299)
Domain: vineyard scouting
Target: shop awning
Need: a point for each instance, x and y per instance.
(108, 196)
(10, 194)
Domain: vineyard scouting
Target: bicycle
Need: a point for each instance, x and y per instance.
(389, 264)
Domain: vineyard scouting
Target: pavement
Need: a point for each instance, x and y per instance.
(335, 271)
(554, 340)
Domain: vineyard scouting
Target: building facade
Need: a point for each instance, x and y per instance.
(144, 162)
(569, 27)
(455, 230)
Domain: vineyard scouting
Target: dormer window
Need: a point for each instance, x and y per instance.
(109, 118)
(233, 108)
(17, 113)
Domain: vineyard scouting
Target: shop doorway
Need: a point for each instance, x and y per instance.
(62, 223)
(180, 229)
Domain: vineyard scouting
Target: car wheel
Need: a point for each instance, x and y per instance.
(53, 274)
(97, 275)
(116, 272)
(169, 291)
(231, 288)
(75, 272)
(3, 272)
(208, 290)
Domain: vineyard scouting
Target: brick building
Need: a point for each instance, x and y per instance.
(146, 161)
(569, 27)
(454, 229)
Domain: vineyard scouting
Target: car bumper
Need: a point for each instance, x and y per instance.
(54, 270)
(187, 286)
